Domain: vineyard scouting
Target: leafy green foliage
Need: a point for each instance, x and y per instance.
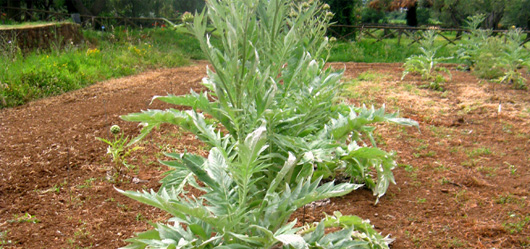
(426, 63)
(275, 131)
(37, 74)
(493, 57)
(513, 58)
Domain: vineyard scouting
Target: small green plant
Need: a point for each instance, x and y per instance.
(118, 148)
(517, 226)
(513, 168)
(469, 48)
(477, 152)
(426, 63)
(514, 58)
(24, 218)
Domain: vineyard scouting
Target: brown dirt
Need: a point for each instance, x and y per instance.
(463, 180)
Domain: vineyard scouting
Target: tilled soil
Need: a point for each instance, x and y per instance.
(463, 179)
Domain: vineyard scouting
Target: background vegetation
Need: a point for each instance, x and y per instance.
(121, 51)
(30, 75)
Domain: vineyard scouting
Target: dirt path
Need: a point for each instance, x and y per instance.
(463, 181)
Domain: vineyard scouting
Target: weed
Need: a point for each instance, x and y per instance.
(441, 167)
(508, 198)
(460, 196)
(123, 207)
(409, 168)
(456, 243)
(88, 183)
(24, 218)
(430, 153)
(369, 76)
(488, 171)
(477, 152)
(513, 168)
(139, 217)
(118, 149)
(422, 147)
(517, 226)
(455, 149)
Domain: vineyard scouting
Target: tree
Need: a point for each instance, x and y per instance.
(410, 5)
(517, 13)
(347, 12)
(90, 8)
(454, 12)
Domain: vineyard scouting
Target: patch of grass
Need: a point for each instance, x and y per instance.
(440, 131)
(430, 153)
(507, 127)
(509, 198)
(477, 152)
(371, 76)
(488, 171)
(409, 168)
(518, 225)
(104, 55)
(368, 50)
(88, 183)
(441, 167)
(361, 91)
(421, 200)
(24, 218)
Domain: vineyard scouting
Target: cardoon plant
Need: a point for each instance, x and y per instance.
(275, 131)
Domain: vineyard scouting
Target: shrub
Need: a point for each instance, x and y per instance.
(492, 57)
(274, 130)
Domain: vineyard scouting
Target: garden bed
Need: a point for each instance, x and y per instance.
(462, 180)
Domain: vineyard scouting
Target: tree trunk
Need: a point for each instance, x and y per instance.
(412, 19)
(493, 20)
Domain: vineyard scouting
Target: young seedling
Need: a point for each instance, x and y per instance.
(426, 63)
(118, 148)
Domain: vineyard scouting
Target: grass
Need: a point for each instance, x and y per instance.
(103, 55)
(120, 52)
(387, 51)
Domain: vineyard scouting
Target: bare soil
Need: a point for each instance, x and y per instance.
(463, 179)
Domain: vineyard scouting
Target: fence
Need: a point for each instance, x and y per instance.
(344, 32)
(381, 32)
